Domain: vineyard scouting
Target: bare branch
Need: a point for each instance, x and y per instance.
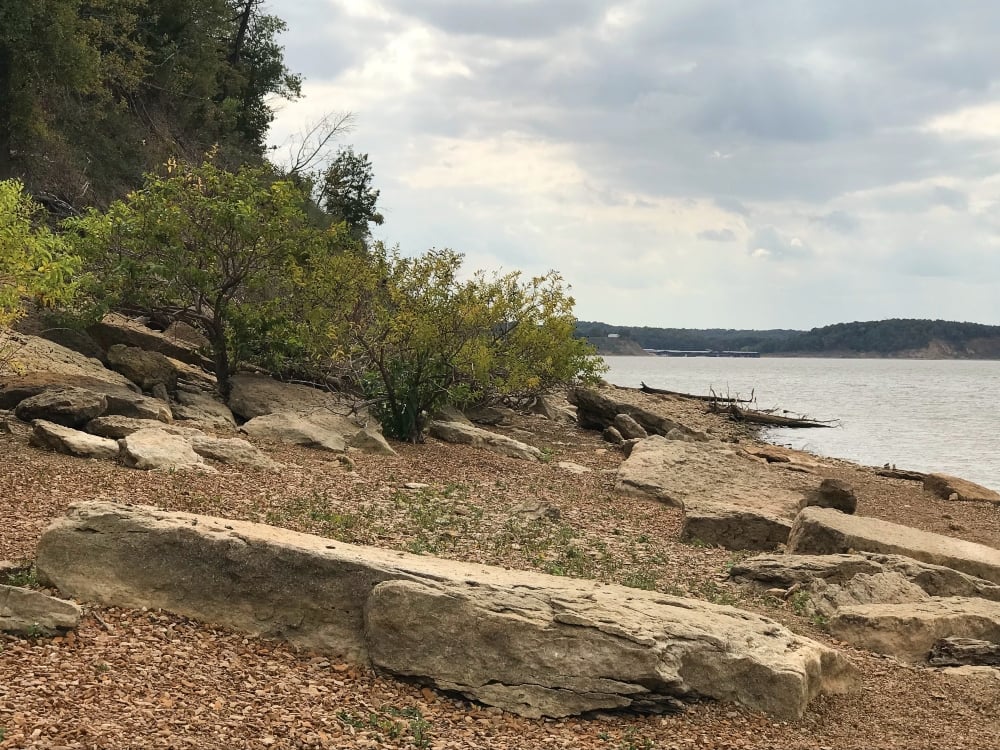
(313, 145)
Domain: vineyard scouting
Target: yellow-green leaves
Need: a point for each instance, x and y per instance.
(416, 334)
(34, 262)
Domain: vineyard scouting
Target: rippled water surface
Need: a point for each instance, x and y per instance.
(926, 415)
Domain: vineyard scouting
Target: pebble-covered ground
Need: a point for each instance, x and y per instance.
(132, 679)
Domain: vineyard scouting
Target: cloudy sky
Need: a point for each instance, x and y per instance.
(683, 163)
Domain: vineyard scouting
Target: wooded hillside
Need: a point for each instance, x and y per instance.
(97, 92)
(896, 337)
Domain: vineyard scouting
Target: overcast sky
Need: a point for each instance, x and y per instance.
(683, 163)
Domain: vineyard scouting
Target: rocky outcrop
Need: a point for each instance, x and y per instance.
(952, 488)
(32, 613)
(597, 410)
(144, 368)
(909, 631)
(115, 427)
(733, 527)
(154, 449)
(786, 571)
(118, 329)
(821, 531)
(456, 432)
(529, 643)
(43, 364)
(72, 442)
(69, 407)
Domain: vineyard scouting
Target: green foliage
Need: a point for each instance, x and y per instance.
(34, 261)
(206, 246)
(347, 195)
(97, 92)
(416, 336)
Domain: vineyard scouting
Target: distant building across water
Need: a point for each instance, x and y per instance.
(701, 353)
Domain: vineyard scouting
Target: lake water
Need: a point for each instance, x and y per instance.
(925, 415)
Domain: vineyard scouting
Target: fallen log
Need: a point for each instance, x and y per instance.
(771, 420)
(912, 476)
(712, 398)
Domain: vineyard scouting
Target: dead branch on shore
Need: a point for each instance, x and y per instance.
(894, 473)
(711, 398)
(771, 420)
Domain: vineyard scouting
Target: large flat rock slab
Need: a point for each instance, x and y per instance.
(822, 531)
(691, 474)
(909, 631)
(529, 643)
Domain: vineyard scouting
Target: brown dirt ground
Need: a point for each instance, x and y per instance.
(131, 679)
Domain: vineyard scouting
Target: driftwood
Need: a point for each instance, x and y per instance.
(771, 420)
(713, 398)
(912, 476)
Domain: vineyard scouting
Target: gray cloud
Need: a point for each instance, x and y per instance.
(810, 119)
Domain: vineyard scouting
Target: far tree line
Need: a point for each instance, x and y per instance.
(873, 337)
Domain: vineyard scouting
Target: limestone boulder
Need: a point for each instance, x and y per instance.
(597, 409)
(909, 631)
(72, 442)
(158, 450)
(144, 368)
(201, 408)
(40, 363)
(733, 527)
(532, 644)
(68, 406)
(456, 432)
(116, 427)
(319, 431)
(555, 408)
(827, 599)
(254, 396)
(822, 531)
(612, 435)
(681, 473)
(115, 329)
(948, 487)
(786, 571)
(27, 612)
(629, 428)
(371, 440)
(137, 406)
(232, 451)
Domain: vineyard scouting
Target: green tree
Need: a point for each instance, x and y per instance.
(203, 245)
(34, 262)
(347, 195)
(415, 335)
(97, 92)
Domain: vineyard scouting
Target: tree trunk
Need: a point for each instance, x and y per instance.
(220, 359)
